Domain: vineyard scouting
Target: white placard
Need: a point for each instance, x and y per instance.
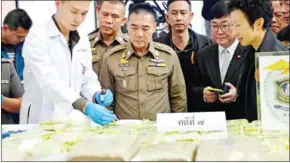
(274, 91)
(203, 121)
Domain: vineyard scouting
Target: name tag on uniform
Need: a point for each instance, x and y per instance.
(158, 65)
(157, 60)
(82, 50)
(4, 81)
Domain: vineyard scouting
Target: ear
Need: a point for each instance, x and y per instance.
(98, 8)
(258, 24)
(191, 16)
(167, 18)
(154, 27)
(5, 27)
(124, 20)
(57, 3)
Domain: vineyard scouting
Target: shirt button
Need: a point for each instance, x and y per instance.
(140, 76)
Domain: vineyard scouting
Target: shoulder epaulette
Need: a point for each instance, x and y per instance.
(93, 34)
(164, 48)
(126, 38)
(117, 49)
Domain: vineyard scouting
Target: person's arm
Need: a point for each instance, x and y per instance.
(90, 83)
(37, 60)
(12, 104)
(177, 89)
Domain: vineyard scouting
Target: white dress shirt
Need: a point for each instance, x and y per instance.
(225, 57)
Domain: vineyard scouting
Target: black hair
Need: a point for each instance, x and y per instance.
(219, 10)
(100, 2)
(254, 9)
(284, 34)
(142, 7)
(171, 1)
(18, 18)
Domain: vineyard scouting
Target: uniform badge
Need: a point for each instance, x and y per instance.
(157, 60)
(283, 92)
(192, 57)
(4, 81)
(84, 69)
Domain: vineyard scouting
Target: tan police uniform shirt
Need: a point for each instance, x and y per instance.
(144, 86)
(99, 48)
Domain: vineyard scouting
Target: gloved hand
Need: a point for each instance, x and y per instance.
(2, 99)
(108, 98)
(99, 114)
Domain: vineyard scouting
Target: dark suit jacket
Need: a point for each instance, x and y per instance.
(208, 74)
(248, 86)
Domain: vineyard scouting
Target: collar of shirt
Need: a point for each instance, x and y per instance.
(231, 49)
(151, 50)
(8, 47)
(99, 37)
(189, 46)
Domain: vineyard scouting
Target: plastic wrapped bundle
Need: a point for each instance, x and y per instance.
(208, 135)
(178, 151)
(235, 148)
(253, 129)
(239, 122)
(14, 155)
(106, 148)
(236, 127)
(277, 147)
(59, 144)
(175, 136)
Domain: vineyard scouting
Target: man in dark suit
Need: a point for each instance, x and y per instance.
(219, 65)
(252, 21)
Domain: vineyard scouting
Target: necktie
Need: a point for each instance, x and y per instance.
(224, 63)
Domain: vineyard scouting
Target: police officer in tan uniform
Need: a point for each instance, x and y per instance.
(111, 18)
(145, 77)
(11, 91)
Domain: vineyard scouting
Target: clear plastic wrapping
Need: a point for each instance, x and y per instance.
(106, 148)
(178, 151)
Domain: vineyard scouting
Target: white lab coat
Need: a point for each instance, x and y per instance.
(52, 79)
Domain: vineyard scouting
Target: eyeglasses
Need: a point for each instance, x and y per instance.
(223, 27)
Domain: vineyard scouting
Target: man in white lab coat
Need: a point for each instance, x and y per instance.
(58, 75)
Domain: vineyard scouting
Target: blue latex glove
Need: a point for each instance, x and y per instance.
(8, 133)
(99, 114)
(2, 99)
(108, 98)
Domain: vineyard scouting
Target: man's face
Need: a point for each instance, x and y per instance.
(222, 30)
(286, 10)
(179, 15)
(14, 37)
(72, 13)
(244, 32)
(111, 17)
(140, 29)
(277, 21)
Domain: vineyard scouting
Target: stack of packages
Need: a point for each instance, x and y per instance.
(139, 141)
(246, 142)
